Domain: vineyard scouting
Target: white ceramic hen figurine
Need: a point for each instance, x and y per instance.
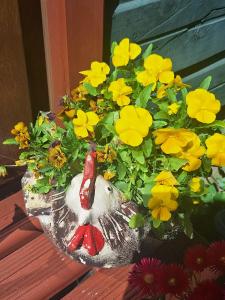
(90, 221)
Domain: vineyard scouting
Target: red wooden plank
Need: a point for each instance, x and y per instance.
(37, 271)
(8, 207)
(17, 235)
(73, 36)
(105, 284)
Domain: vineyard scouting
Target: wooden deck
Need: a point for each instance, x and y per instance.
(31, 268)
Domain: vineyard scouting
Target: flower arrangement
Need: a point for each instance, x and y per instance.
(200, 277)
(155, 139)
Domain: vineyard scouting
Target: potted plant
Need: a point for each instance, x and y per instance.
(130, 151)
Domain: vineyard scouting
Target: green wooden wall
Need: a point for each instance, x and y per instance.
(191, 32)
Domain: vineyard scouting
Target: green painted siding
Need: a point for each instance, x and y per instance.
(191, 32)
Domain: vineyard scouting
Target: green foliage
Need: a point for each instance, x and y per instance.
(206, 83)
(136, 221)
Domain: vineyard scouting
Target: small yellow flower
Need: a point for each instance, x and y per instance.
(106, 155)
(157, 68)
(172, 140)
(21, 135)
(85, 123)
(79, 93)
(195, 184)
(161, 92)
(163, 201)
(133, 125)
(56, 157)
(97, 74)
(179, 83)
(173, 109)
(124, 52)
(216, 149)
(109, 175)
(202, 106)
(166, 178)
(120, 92)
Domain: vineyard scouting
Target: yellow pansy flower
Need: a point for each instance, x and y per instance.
(56, 157)
(202, 106)
(195, 184)
(109, 175)
(192, 152)
(133, 125)
(179, 83)
(163, 201)
(22, 136)
(172, 140)
(120, 92)
(124, 52)
(97, 74)
(166, 178)
(84, 123)
(173, 109)
(216, 149)
(157, 68)
(79, 93)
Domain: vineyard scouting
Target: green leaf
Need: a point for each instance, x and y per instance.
(161, 115)
(137, 221)
(156, 223)
(219, 124)
(220, 197)
(159, 124)
(188, 228)
(206, 83)
(110, 118)
(122, 170)
(125, 157)
(122, 186)
(176, 163)
(171, 95)
(144, 96)
(10, 142)
(91, 90)
(147, 51)
(114, 44)
(182, 178)
(147, 147)
(210, 193)
(138, 156)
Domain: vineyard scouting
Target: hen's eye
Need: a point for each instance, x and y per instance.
(109, 188)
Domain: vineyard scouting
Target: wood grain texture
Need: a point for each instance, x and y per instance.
(37, 271)
(142, 20)
(12, 209)
(15, 100)
(17, 235)
(219, 91)
(189, 46)
(105, 284)
(73, 36)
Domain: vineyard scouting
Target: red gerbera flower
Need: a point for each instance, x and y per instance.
(145, 276)
(195, 258)
(174, 279)
(208, 290)
(216, 256)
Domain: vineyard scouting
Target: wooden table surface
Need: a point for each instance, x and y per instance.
(32, 268)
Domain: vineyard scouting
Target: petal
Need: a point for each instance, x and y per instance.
(81, 118)
(153, 63)
(135, 50)
(165, 215)
(167, 64)
(219, 160)
(205, 116)
(171, 205)
(131, 137)
(119, 60)
(153, 203)
(144, 115)
(123, 100)
(156, 213)
(171, 146)
(121, 125)
(92, 117)
(166, 77)
(81, 131)
(128, 112)
(146, 78)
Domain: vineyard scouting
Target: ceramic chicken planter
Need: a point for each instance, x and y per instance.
(89, 221)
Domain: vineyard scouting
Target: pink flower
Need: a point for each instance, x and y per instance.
(195, 258)
(216, 256)
(174, 280)
(145, 276)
